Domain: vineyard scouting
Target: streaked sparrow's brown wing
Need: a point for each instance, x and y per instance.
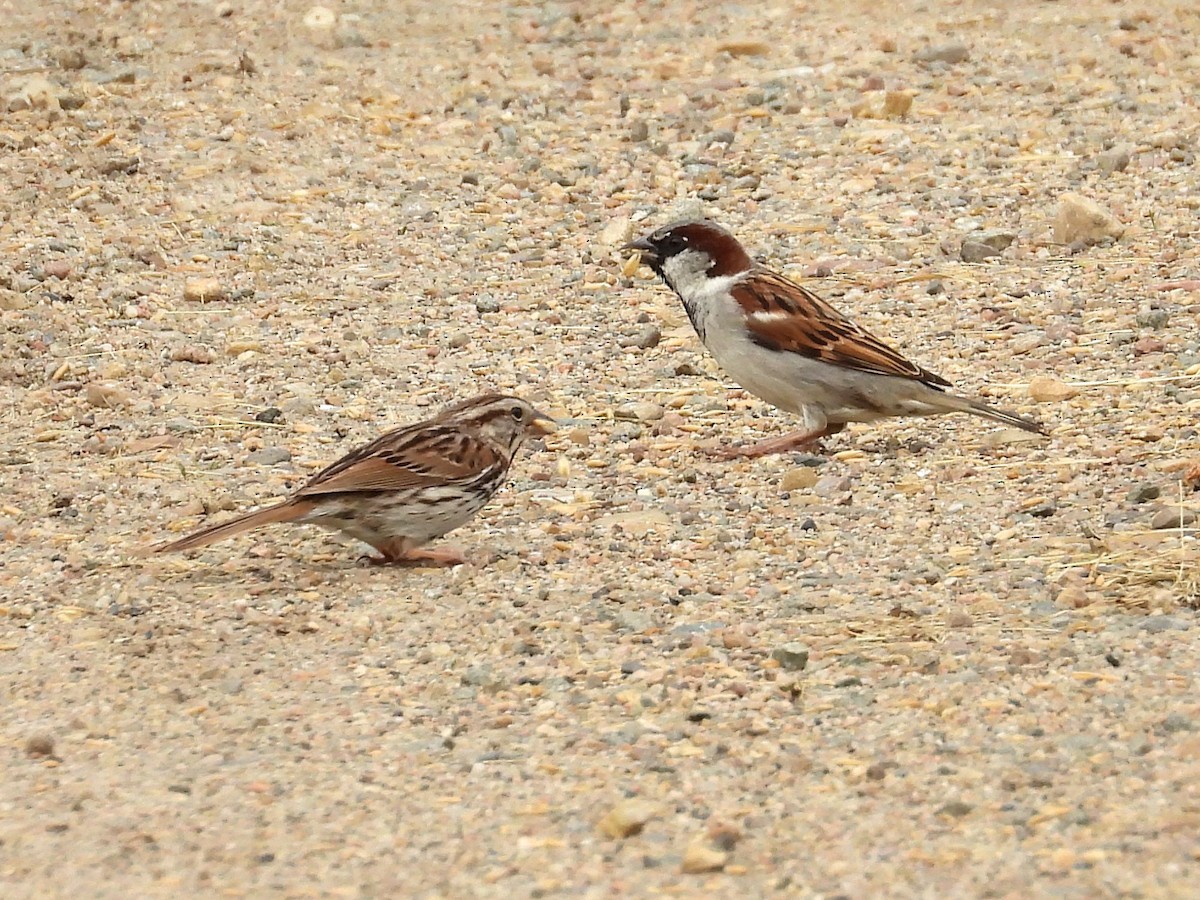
(421, 456)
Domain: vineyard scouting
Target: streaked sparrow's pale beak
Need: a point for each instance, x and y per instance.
(542, 423)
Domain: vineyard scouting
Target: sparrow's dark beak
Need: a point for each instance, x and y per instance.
(644, 248)
(542, 423)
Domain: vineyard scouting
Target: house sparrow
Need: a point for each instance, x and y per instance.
(407, 487)
(783, 343)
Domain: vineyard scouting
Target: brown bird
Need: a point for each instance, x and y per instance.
(407, 487)
(783, 343)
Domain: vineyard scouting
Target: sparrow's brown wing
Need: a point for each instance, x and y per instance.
(420, 456)
(782, 315)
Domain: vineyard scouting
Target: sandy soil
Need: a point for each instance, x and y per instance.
(937, 659)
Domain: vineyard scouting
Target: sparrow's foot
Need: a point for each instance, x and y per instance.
(447, 556)
(400, 553)
(746, 452)
(797, 440)
(416, 558)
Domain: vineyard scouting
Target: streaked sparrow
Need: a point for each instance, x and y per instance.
(784, 344)
(407, 487)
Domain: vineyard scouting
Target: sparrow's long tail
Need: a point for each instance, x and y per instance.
(1000, 415)
(287, 511)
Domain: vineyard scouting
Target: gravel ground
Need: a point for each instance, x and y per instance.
(939, 659)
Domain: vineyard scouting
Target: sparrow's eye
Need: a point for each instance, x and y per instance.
(517, 413)
(675, 243)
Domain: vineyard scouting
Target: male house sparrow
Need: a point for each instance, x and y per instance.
(408, 486)
(783, 343)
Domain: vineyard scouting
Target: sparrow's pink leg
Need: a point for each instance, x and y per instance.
(797, 440)
(398, 553)
(447, 556)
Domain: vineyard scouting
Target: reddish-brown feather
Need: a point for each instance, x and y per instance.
(728, 256)
(806, 324)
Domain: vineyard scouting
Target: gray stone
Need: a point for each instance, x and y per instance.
(1044, 510)
(269, 456)
(486, 303)
(953, 52)
(645, 339)
(642, 411)
(1114, 160)
(1172, 517)
(632, 621)
(483, 677)
(831, 485)
(269, 415)
(792, 656)
(298, 406)
(997, 240)
(1153, 318)
(690, 628)
(956, 809)
(974, 251)
(1159, 624)
(1176, 722)
(1140, 493)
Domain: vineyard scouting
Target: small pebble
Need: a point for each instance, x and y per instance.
(71, 58)
(953, 52)
(105, 395)
(896, 104)
(955, 809)
(57, 268)
(39, 745)
(800, 478)
(645, 339)
(269, 415)
(1043, 510)
(124, 165)
(973, 252)
(832, 485)
(203, 290)
(701, 857)
(1140, 493)
(269, 456)
(642, 410)
(627, 818)
(878, 771)
(192, 353)
(792, 656)
(1115, 160)
(1083, 220)
(997, 240)
(1153, 318)
(1172, 517)
(1050, 390)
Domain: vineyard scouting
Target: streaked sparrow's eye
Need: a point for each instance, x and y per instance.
(517, 413)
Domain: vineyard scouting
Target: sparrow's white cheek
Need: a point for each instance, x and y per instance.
(687, 272)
